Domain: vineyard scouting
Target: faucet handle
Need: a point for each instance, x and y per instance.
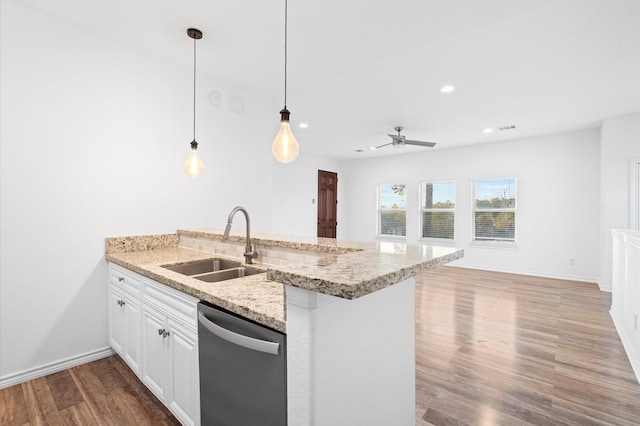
(250, 254)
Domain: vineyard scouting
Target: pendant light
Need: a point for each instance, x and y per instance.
(285, 146)
(193, 166)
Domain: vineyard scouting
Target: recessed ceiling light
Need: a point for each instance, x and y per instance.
(448, 88)
(487, 130)
(303, 125)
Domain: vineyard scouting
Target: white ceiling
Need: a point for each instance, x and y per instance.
(357, 68)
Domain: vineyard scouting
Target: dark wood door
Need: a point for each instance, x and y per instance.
(327, 203)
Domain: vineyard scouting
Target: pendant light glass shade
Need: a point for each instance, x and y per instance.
(285, 146)
(193, 166)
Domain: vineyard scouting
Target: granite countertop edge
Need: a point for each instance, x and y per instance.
(345, 269)
(352, 291)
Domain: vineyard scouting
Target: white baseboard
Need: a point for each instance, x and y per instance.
(605, 287)
(634, 358)
(533, 274)
(54, 367)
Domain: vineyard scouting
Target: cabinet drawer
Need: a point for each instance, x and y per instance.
(176, 304)
(127, 280)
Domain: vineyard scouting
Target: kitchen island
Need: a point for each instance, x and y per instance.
(347, 309)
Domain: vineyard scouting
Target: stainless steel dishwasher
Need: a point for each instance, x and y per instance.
(243, 370)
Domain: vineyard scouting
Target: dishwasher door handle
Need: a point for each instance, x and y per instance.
(239, 339)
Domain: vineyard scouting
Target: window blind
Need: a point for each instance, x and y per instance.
(438, 209)
(495, 209)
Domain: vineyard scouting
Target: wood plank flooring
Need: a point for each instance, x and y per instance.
(103, 392)
(503, 349)
(491, 349)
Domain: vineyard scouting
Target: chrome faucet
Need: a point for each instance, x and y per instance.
(249, 253)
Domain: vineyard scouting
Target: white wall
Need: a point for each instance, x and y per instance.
(295, 193)
(558, 170)
(93, 138)
(620, 143)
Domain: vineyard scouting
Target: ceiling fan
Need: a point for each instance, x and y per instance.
(400, 140)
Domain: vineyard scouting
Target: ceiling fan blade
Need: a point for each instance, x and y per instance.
(396, 137)
(378, 147)
(420, 143)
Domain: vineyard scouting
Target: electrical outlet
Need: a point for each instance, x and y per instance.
(572, 261)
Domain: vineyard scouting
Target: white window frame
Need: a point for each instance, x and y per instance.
(423, 210)
(379, 211)
(474, 209)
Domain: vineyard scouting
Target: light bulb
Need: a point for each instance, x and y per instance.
(193, 166)
(285, 146)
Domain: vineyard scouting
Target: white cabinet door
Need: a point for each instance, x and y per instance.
(116, 319)
(185, 384)
(154, 352)
(124, 326)
(131, 347)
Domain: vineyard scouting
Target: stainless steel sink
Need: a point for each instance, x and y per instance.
(213, 270)
(228, 274)
(203, 266)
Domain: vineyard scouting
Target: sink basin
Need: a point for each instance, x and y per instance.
(213, 270)
(228, 274)
(203, 266)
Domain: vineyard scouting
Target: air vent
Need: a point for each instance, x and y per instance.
(507, 127)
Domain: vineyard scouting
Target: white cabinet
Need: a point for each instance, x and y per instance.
(124, 318)
(183, 381)
(156, 333)
(154, 352)
(116, 319)
(625, 303)
(170, 350)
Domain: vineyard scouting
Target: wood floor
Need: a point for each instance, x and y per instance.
(492, 349)
(501, 349)
(103, 392)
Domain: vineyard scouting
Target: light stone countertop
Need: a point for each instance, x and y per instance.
(252, 297)
(341, 268)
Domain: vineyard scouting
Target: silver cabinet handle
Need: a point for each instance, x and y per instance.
(162, 332)
(120, 302)
(239, 339)
(120, 279)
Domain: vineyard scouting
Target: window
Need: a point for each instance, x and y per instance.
(437, 201)
(392, 210)
(494, 216)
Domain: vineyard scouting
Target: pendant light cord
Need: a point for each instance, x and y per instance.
(194, 89)
(285, 54)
